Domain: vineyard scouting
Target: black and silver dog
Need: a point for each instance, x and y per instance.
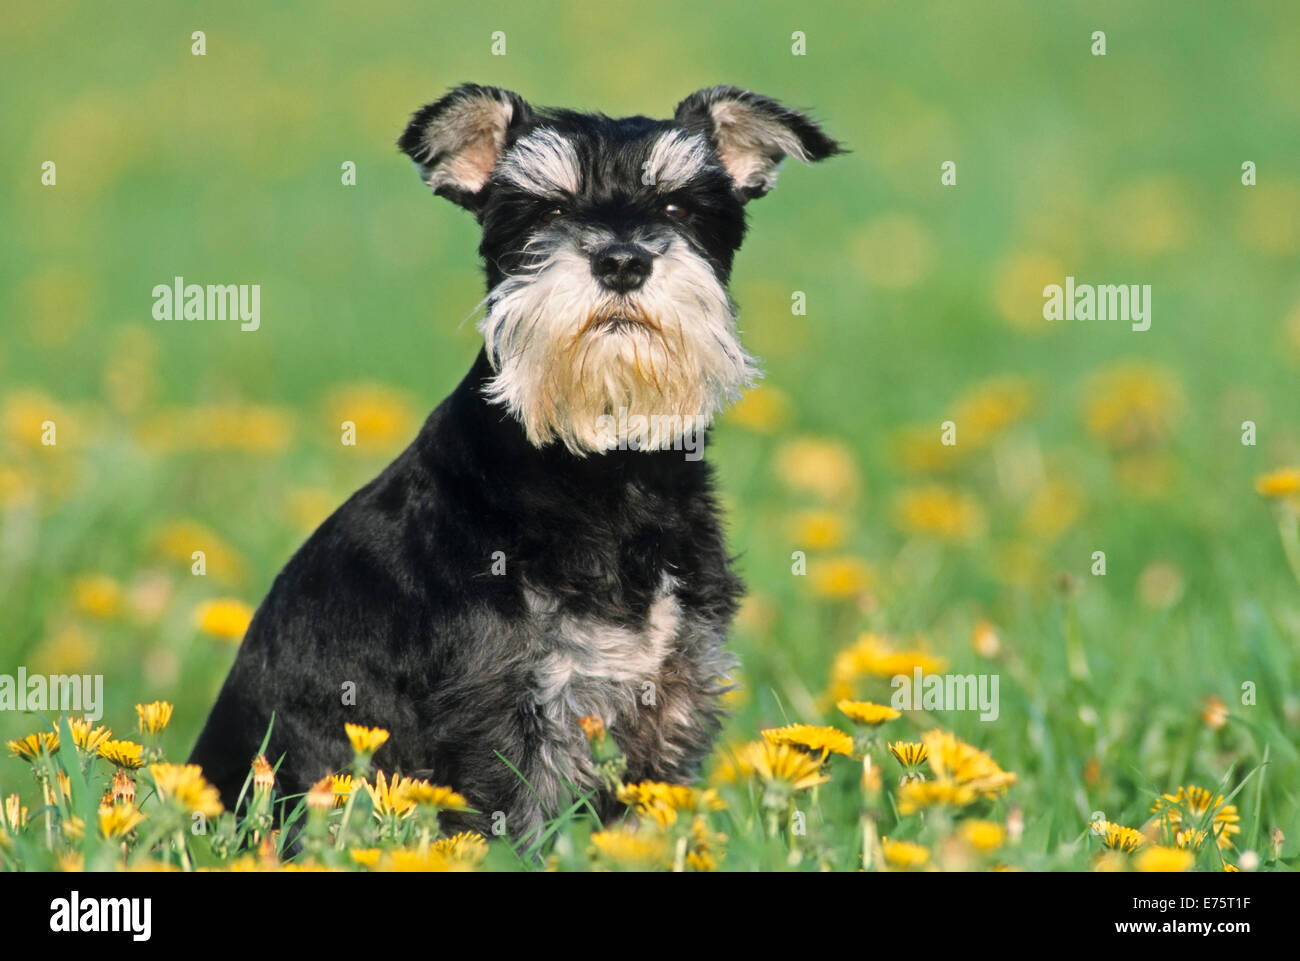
(549, 547)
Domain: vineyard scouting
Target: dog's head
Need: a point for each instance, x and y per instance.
(608, 245)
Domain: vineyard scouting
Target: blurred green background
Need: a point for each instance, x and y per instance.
(923, 305)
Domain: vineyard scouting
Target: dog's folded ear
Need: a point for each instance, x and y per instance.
(456, 141)
(752, 134)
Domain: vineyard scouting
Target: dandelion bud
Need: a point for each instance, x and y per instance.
(123, 789)
(320, 797)
(593, 727)
(1015, 825)
(263, 775)
(1214, 713)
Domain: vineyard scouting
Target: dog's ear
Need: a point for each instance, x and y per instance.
(752, 135)
(456, 141)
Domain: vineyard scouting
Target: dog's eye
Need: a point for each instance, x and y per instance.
(675, 211)
(552, 214)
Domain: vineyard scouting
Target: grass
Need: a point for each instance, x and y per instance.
(923, 306)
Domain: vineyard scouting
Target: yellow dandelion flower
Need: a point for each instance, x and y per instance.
(783, 765)
(1018, 287)
(732, 765)
(178, 541)
(991, 407)
(33, 745)
(630, 849)
(763, 410)
(1189, 838)
(432, 796)
(383, 416)
(872, 656)
(940, 512)
(185, 786)
(389, 798)
(818, 530)
(24, 412)
(917, 795)
(1132, 405)
(966, 765)
(1163, 859)
(705, 848)
(226, 619)
(467, 846)
(985, 836)
(154, 717)
(366, 857)
(865, 712)
(1110, 862)
(1052, 510)
(904, 855)
(15, 813)
(125, 754)
(1119, 838)
(432, 860)
(365, 740)
(1197, 804)
(118, 820)
(661, 802)
(906, 662)
(97, 595)
(910, 754)
(86, 735)
(1284, 482)
(920, 450)
(1157, 212)
(219, 427)
(811, 738)
(823, 468)
(342, 786)
(839, 578)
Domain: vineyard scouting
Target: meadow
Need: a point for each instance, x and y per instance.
(931, 474)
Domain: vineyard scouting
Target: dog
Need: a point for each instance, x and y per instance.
(548, 549)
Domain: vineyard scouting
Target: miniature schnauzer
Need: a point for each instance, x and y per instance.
(524, 563)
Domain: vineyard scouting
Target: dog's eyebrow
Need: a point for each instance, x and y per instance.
(677, 158)
(542, 163)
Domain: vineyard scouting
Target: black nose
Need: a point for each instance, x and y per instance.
(622, 267)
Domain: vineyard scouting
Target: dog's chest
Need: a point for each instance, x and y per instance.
(631, 677)
(585, 665)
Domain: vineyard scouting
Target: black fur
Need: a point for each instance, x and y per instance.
(396, 593)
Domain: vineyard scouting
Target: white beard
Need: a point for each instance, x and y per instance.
(563, 370)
